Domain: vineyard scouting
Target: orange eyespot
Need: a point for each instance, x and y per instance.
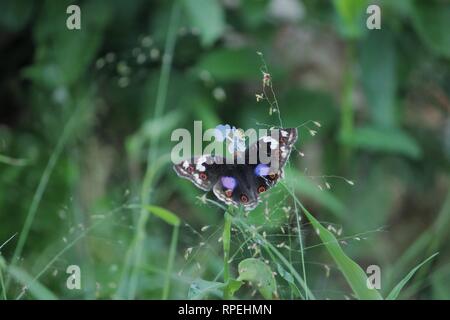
(261, 189)
(228, 193)
(190, 169)
(203, 176)
(273, 176)
(244, 198)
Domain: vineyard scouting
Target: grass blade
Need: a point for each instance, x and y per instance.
(396, 291)
(30, 284)
(428, 242)
(355, 276)
(164, 214)
(226, 238)
(172, 252)
(13, 161)
(274, 253)
(2, 281)
(172, 219)
(131, 270)
(42, 186)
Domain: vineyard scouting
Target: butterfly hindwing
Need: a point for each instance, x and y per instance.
(237, 186)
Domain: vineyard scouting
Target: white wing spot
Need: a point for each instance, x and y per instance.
(199, 166)
(197, 178)
(273, 142)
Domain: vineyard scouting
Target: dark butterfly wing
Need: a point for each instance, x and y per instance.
(231, 183)
(203, 171)
(237, 186)
(278, 143)
(275, 147)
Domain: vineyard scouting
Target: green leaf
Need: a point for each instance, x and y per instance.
(259, 273)
(200, 289)
(289, 279)
(432, 22)
(166, 215)
(208, 16)
(63, 55)
(230, 65)
(284, 274)
(379, 76)
(234, 285)
(384, 140)
(396, 291)
(351, 14)
(355, 276)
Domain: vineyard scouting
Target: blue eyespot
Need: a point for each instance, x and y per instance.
(228, 183)
(262, 170)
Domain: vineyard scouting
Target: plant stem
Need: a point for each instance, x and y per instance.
(134, 256)
(273, 251)
(42, 186)
(82, 235)
(12, 161)
(347, 117)
(300, 240)
(226, 254)
(2, 282)
(173, 247)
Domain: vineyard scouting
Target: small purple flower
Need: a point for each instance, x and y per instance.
(236, 141)
(222, 131)
(235, 137)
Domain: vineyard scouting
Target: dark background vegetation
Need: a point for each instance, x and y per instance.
(79, 132)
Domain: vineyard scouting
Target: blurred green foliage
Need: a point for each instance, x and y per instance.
(78, 135)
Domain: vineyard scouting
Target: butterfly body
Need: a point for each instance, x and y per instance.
(242, 182)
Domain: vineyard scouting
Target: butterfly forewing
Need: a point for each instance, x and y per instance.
(203, 171)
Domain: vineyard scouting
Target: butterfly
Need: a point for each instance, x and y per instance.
(243, 181)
